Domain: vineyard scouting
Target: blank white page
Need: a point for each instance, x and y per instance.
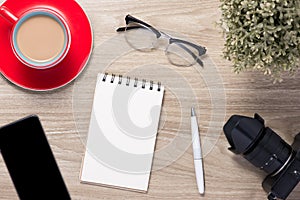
(122, 132)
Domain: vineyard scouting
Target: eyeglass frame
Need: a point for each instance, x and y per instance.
(201, 50)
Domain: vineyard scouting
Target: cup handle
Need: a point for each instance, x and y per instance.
(7, 14)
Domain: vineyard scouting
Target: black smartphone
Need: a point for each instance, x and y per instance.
(30, 161)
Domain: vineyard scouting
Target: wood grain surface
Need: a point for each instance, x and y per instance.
(227, 176)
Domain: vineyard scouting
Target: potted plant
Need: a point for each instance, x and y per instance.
(262, 35)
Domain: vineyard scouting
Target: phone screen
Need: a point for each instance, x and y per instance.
(30, 161)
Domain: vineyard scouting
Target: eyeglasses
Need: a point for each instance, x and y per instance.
(144, 37)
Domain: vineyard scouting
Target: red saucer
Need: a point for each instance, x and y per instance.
(66, 70)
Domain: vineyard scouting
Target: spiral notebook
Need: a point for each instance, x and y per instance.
(122, 132)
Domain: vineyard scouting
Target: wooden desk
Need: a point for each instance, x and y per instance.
(227, 176)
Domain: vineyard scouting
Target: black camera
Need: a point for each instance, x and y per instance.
(262, 147)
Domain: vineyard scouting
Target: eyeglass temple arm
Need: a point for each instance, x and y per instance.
(122, 29)
(201, 50)
(129, 19)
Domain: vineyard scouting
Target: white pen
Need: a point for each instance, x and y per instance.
(197, 153)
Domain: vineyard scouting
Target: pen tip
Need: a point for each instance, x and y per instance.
(193, 113)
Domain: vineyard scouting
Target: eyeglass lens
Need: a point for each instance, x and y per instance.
(181, 54)
(140, 37)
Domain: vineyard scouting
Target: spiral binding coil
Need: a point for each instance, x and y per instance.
(120, 81)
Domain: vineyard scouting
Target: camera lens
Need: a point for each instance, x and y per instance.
(258, 144)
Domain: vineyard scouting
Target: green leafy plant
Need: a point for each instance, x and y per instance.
(262, 35)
